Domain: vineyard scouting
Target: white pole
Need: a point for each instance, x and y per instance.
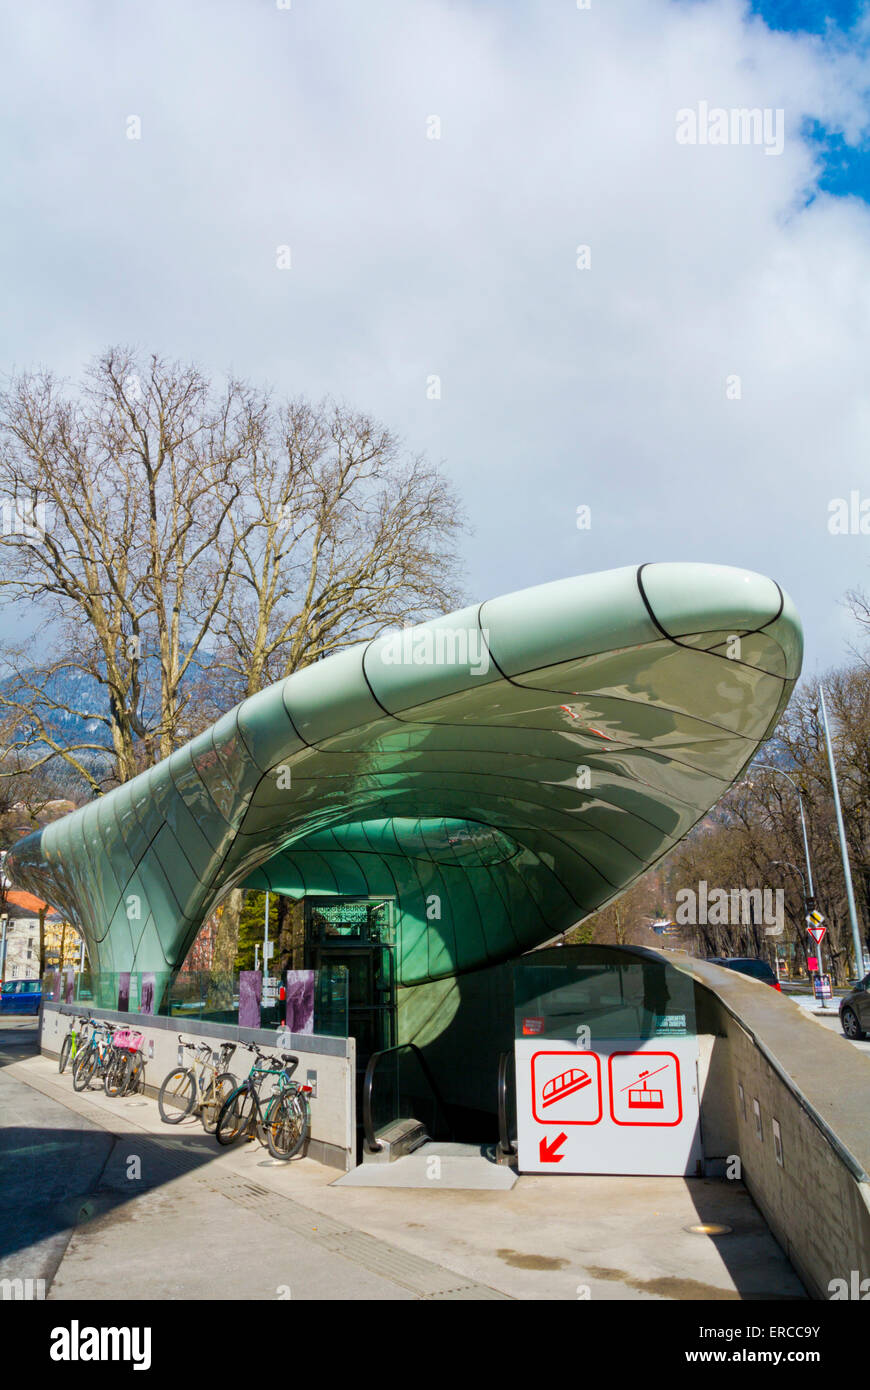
(847, 872)
(266, 967)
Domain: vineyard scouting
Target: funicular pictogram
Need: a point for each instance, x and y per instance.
(565, 1084)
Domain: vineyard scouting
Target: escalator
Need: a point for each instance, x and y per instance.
(413, 1137)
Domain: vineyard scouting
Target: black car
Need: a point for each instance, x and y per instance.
(749, 965)
(855, 1010)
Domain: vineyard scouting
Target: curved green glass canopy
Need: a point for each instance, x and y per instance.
(501, 772)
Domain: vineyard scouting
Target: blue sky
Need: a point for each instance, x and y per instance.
(808, 16)
(561, 386)
(846, 168)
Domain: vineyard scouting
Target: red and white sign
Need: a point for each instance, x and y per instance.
(817, 933)
(618, 1107)
(566, 1088)
(651, 1094)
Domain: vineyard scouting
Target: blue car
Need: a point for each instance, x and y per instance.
(21, 997)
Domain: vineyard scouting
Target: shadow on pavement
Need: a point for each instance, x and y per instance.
(54, 1179)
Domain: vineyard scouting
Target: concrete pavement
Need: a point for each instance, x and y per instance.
(105, 1201)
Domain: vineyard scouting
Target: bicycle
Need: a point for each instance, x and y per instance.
(286, 1120)
(69, 1048)
(126, 1063)
(186, 1087)
(93, 1059)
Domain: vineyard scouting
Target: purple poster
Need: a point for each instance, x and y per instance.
(123, 991)
(146, 1003)
(300, 1001)
(250, 994)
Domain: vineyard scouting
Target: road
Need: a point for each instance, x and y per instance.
(829, 1021)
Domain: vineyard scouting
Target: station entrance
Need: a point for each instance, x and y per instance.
(569, 1059)
(357, 936)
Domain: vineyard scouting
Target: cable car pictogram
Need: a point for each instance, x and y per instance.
(565, 1084)
(643, 1097)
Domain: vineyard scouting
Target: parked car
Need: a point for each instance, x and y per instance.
(855, 1010)
(21, 997)
(749, 965)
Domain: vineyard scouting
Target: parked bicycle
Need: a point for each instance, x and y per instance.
(74, 1041)
(204, 1085)
(93, 1059)
(283, 1121)
(126, 1064)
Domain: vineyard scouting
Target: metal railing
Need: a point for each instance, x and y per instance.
(506, 1147)
(371, 1141)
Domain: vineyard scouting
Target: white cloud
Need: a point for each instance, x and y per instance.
(456, 256)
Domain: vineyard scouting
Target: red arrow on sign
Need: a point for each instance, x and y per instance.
(548, 1152)
(817, 933)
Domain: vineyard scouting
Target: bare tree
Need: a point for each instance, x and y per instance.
(115, 507)
(341, 536)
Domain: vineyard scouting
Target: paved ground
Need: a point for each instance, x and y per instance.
(101, 1200)
(829, 1020)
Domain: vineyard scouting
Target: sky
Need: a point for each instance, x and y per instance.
(697, 376)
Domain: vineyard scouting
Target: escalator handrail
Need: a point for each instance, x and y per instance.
(505, 1144)
(371, 1141)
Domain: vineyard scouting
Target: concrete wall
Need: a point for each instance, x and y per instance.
(333, 1109)
(816, 1195)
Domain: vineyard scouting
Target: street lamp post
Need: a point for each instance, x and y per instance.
(809, 894)
(787, 864)
(847, 872)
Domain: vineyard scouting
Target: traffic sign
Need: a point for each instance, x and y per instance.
(817, 933)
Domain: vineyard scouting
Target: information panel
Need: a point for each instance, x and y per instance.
(624, 1107)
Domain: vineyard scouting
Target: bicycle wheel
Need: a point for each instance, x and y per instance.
(218, 1092)
(83, 1069)
(177, 1096)
(288, 1121)
(65, 1050)
(115, 1078)
(236, 1115)
(135, 1073)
